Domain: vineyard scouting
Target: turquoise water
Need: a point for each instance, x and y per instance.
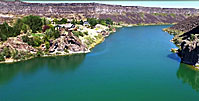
(133, 64)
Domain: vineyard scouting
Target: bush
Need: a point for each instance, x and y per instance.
(47, 44)
(25, 38)
(51, 33)
(192, 37)
(92, 21)
(33, 41)
(74, 22)
(6, 52)
(2, 57)
(7, 31)
(39, 53)
(109, 21)
(62, 21)
(66, 50)
(78, 33)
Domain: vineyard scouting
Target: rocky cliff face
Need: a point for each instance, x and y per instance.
(186, 37)
(69, 42)
(126, 14)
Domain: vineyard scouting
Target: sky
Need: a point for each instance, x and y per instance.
(163, 4)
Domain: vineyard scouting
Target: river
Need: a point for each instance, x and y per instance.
(133, 64)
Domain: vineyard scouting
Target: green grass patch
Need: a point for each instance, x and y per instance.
(37, 34)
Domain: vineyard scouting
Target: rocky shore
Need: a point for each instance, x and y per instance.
(186, 34)
(26, 39)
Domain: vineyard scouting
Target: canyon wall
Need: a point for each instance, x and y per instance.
(125, 14)
(186, 37)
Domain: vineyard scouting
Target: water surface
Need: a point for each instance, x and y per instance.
(133, 64)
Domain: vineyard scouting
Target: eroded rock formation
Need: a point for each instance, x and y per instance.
(69, 42)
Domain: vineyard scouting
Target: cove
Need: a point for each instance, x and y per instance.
(133, 64)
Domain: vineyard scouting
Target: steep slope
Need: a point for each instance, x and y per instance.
(186, 34)
(123, 14)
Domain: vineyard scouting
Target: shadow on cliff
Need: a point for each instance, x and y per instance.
(54, 64)
(174, 56)
(188, 75)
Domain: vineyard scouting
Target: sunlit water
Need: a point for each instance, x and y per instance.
(133, 64)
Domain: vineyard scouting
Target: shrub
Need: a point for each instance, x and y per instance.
(47, 44)
(7, 31)
(39, 53)
(2, 57)
(66, 50)
(78, 33)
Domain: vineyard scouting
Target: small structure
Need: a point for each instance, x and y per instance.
(66, 26)
(86, 23)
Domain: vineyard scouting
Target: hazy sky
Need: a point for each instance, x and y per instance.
(165, 4)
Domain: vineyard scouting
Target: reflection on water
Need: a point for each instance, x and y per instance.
(188, 75)
(174, 56)
(54, 64)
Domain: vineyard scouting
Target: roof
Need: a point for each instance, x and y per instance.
(66, 25)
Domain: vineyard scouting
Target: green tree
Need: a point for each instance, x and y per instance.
(47, 45)
(7, 31)
(24, 28)
(92, 21)
(73, 22)
(102, 22)
(6, 52)
(2, 57)
(63, 21)
(34, 22)
(25, 38)
(81, 22)
(109, 21)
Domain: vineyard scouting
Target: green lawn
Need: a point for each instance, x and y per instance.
(37, 34)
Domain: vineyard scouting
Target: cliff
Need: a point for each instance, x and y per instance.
(186, 38)
(118, 13)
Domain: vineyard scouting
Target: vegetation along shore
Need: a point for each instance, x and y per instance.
(33, 36)
(29, 30)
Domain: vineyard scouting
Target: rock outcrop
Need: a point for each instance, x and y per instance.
(69, 43)
(16, 43)
(187, 40)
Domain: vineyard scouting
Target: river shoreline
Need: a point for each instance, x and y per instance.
(10, 61)
(177, 41)
(98, 41)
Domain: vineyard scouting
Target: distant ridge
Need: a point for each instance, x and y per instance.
(118, 13)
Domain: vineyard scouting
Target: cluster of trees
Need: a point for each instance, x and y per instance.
(33, 41)
(7, 31)
(51, 32)
(5, 53)
(74, 21)
(62, 21)
(94, 21)
(33, 23)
